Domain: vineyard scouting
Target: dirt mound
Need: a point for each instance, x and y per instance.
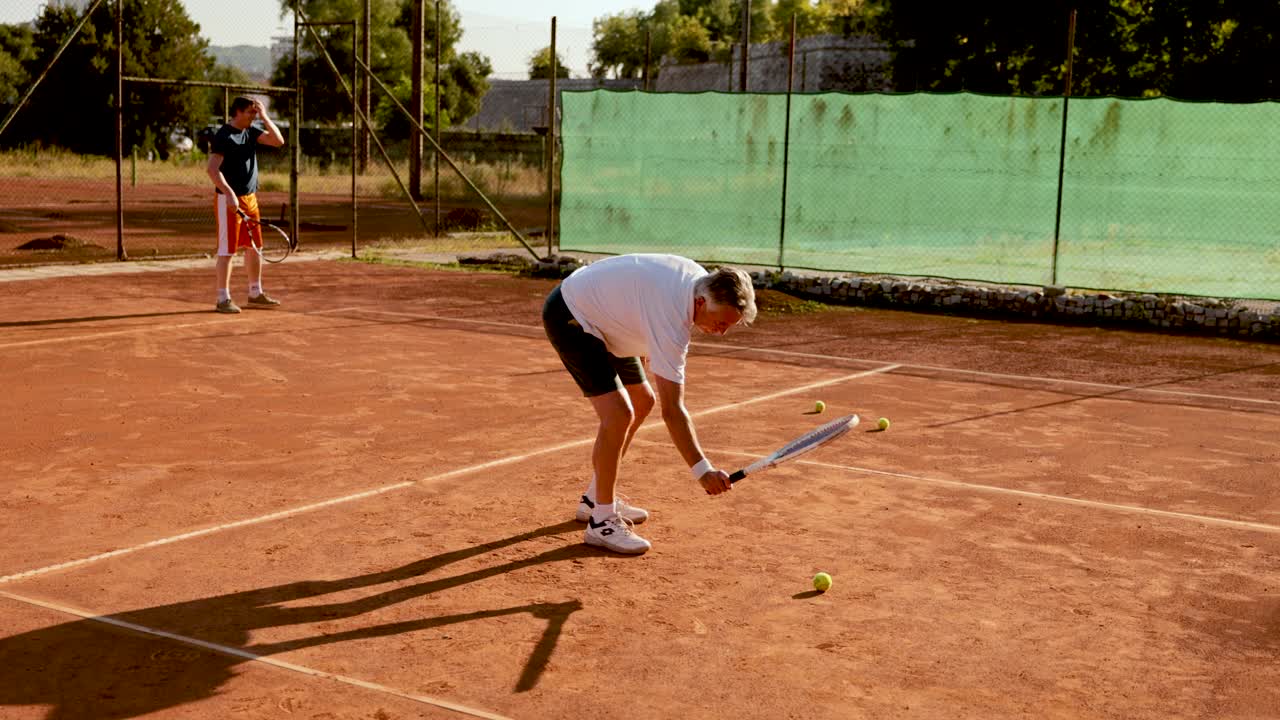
(58, 242)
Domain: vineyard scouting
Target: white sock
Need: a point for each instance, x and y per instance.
(591, 489)
(601, 511)
(255, 289)
(223, 294)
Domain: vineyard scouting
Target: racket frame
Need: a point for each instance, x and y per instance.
(289, 243)
(797, 447)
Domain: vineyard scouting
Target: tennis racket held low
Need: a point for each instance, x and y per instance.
(812, 440)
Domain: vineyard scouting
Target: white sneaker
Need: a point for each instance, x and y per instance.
(626, 510)
(615, 534)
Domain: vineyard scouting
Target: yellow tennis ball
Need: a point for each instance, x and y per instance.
(822, 582)
(883, 424)
(819, 406)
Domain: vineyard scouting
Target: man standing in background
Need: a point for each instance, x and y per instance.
(233, 168)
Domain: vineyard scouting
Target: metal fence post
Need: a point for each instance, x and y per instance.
(355, 138)
(786, 144)
(120, 254)
(551, 146)
(746, 42)
(1062, 147)
(435, 157)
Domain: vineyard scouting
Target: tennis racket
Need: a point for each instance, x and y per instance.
(809, 441)
(276, 243)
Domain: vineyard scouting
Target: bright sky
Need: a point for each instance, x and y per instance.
(509, 32)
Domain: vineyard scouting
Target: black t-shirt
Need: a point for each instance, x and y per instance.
(239, 151)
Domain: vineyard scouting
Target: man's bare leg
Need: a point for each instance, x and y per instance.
(616, 417)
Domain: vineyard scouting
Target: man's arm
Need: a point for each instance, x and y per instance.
(272, 136)
(680, 427)
(214, 169)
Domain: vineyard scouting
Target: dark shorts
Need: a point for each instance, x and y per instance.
(596, 370)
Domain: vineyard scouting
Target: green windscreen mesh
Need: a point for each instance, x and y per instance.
(1158, 196)
(697, 175)
(959, 186)
(1174, 197)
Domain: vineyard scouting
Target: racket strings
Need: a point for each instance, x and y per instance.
(817, 436)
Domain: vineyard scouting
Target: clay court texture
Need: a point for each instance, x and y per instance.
(361, 506)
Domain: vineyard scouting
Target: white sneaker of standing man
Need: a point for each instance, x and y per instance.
(614, 533)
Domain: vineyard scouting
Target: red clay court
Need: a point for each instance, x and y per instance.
(360, 506)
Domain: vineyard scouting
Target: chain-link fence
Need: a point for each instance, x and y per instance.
(470, 187)
(1156, 195)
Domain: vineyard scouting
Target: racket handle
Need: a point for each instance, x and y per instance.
(737, 476)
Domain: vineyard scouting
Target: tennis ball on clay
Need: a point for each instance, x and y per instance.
(819, 406)
(822, 582)
(883, 423)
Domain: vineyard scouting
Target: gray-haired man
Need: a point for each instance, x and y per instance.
(602, 320)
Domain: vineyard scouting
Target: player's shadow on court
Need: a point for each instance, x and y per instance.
(93, 669)
(97, 318)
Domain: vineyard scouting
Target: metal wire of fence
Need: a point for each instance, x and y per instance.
(1150, 195)
(63, 203)
(1158, 195)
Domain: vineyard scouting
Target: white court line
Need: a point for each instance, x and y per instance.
(150, 328)
(239, 653)
(1005, 376)
(410, 483)
(866, 361)
(205, 531)
(1096, 504)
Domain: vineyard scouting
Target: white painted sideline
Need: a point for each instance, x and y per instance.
(1096, 504)
(115, 267)
(205, 531)
(239, 653)
(218, 322)
(402, 485)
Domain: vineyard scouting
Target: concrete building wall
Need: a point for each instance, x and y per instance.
(520, 106)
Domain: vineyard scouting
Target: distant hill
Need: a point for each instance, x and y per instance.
(254, 61)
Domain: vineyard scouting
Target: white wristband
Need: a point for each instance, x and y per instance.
(703, 467)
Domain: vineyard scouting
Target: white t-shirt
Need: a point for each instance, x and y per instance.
(639, 305)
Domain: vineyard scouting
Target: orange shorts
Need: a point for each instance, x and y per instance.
(234, 233)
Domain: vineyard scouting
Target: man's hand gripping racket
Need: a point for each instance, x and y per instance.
(809, 441)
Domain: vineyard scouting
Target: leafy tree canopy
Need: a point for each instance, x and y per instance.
(462, 74)
(540, 65)
(702, 30)
(16, 49)
(1190, 49)
(161, 41)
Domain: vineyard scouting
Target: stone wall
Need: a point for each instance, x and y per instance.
(1049, 304)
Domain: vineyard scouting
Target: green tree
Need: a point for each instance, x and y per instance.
(540, 65)
(687, 40)
(16, 49)
(762, 28)
(809, 19)
(618, 43)
(1193, 50)
(214, 105)
(848, 17)
(720, 17)
(462, 75)
(160, 41)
